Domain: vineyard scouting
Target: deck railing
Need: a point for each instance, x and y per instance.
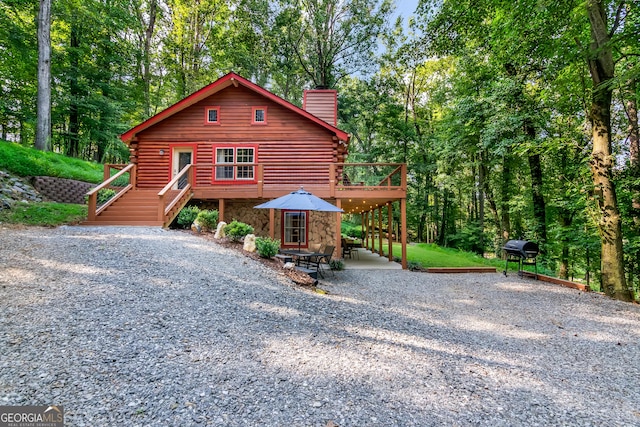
(333, 176)
(183, 183)
(93, 208)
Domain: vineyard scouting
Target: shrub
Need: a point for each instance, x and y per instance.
(267, 247)
(237, 230)
(105, 195)
(414, 266)
(208, 219)
(187, 215)
(336, 264)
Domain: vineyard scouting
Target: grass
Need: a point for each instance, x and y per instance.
(46, 214)
(24, 161)
(430, 255)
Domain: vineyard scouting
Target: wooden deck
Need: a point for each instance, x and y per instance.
(137, 205)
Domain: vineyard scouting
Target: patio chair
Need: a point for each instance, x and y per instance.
(319, 260)
(348, 249)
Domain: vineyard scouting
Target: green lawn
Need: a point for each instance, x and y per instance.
(430, 255)
(47, 214)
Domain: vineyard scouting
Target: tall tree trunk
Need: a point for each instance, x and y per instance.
(601, 67)
(43, 126)
(73, 147)
(505, 221)
(634, 144)
(539, 206)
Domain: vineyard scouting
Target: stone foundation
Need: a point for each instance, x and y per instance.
(322, 225)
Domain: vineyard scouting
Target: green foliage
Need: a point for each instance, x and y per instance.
(267, 247)
(236, 230)
(23, 161)
(413, 266)
(351, 230)
(208, 218)
(105, 195)
(187, 215)
(44, 214)
(336, 264)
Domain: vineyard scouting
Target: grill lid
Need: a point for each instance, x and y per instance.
(521, 248)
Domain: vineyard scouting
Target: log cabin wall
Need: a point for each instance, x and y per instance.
(286, 137)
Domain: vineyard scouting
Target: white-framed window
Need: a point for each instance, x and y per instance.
(295, 228)
(231, 157)
(259, 115)
(212, 115)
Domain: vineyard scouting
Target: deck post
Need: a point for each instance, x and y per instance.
(372, 230)
(390, 230)
(220, 210)
(339, 229)
(403, 231)
(272, 223)
(380, 251)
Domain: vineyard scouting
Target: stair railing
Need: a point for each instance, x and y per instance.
(93, 209)
(182, 197)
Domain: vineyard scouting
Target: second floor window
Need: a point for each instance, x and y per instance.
(229, 164)
(259, 116)
(212, 115)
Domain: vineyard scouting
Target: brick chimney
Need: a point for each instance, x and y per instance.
(322, 103)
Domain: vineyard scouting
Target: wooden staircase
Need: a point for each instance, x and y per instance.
(135, 207)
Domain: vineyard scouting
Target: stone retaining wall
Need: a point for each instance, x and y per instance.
(62, 190)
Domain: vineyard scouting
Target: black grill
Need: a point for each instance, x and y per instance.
(522, 252)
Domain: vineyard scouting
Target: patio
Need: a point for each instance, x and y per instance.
(366, 260)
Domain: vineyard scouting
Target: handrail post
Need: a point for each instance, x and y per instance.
(106, 172)
(404, 176)
(133, 175)
(332, 181)
(91, 210)
(161, 208)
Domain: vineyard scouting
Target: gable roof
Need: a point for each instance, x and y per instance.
(217, 86)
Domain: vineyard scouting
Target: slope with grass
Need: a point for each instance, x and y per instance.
(24, 161)
(21, 161)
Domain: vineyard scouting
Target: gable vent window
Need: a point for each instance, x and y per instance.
(212, 115)
(259, 116)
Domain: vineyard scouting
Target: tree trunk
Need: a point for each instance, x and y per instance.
(505, 221)
(601, 67)
(634, 146)
(73, 146)
(43, 126)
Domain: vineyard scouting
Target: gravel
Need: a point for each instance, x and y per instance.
(133, 326)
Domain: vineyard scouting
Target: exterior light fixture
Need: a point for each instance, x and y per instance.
(162, 152)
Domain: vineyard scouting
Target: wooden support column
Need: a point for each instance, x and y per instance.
(365, 222)
(380, 251)
(338, 229)
(372, 230)
(390, 230)
(272, 223)
(220, 210)
(403, 231)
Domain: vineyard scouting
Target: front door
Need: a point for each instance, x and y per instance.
(182, 156)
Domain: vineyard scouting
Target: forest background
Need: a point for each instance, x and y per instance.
(517, 119)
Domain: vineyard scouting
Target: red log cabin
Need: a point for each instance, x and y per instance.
(233, 145)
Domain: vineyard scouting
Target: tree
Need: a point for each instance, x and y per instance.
(336, 37)
(602, 69)
(43, 128)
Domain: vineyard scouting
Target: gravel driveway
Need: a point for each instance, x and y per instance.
(149, 327)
